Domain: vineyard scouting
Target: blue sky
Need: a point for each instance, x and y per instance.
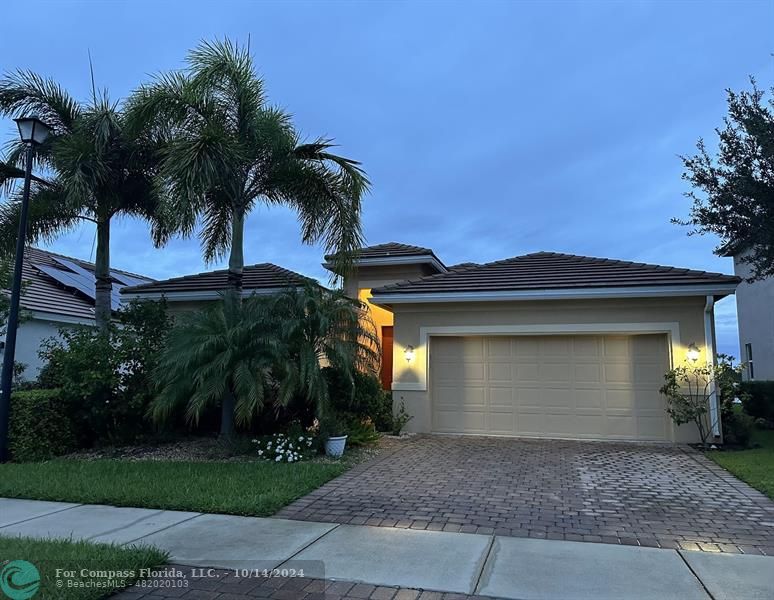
(489, 129)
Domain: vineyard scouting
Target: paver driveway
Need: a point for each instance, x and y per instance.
(623, 493)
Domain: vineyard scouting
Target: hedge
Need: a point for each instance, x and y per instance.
(41, 427)
(759, 402)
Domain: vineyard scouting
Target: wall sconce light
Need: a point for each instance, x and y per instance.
(693, 352)
(409, 353)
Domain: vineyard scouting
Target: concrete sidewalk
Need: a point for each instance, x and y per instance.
(486, 565)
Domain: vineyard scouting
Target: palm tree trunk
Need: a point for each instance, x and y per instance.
(236, 263)
(227, 416)
(236, 260)
(104, 286)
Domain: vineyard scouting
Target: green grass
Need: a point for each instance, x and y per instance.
(50, 555)
(755, 466)
(238, 488)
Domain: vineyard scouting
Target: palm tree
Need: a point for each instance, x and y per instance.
(244, 354)
(219, 355)
(228, 151)
(90, 170)
(317, 328)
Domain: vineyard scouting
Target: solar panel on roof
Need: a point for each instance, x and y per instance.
(125, 279)
(76, 281)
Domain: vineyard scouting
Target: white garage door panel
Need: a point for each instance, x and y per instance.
(580, 386)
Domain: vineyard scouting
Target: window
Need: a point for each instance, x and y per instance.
(749, 360)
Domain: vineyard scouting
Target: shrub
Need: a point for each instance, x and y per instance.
(362, 397)
(40, 426)
(759, 402)
(105, 377)
(282, 447)
(362, 432)
(737, 428)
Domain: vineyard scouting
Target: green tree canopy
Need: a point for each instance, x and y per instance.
(733, 195)
(90, 170)
(229, 150)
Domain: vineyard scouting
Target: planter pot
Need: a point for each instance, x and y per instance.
(334, 446)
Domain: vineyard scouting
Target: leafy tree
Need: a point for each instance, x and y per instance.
(690, 389)
(733, 194)
(221, 355)
(228, 151)
(91, 169)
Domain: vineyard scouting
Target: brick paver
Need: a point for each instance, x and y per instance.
(220, 584)
(624, 493)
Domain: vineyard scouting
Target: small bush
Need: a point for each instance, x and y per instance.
(362, 432)
(362, 397)
(284, 448)
(41, 427)
(737, 428)
(759, 402)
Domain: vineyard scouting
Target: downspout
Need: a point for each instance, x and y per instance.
(710, 345)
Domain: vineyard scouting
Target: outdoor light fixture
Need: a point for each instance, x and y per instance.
(409, 352)
(32, 130)
(693, 352)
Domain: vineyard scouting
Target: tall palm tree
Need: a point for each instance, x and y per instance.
(228, 151)
(90, 170)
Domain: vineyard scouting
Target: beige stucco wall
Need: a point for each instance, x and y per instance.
(681, 318)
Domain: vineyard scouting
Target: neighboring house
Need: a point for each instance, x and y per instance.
(543, 345)
(58, 291)
(755, 316)
(191, 292)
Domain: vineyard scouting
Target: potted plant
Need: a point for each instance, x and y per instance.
(334, 432)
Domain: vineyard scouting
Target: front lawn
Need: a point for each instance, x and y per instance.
(77, 561)
(755, 466)
(239, 488)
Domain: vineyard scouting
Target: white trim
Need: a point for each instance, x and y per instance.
(555, 294)
(57, 318)
(195, 295)
(709, 345)
(672, 329)
(395, 260)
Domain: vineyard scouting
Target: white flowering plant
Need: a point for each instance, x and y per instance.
(287, 448)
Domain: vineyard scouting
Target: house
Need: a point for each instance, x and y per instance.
(543, 345)
(755, 316)
(58, 291)
(191, 292)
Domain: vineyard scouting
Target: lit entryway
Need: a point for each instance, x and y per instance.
(575, 386)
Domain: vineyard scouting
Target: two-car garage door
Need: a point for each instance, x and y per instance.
(576, 386)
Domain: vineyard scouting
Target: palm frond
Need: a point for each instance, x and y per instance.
(24, 92)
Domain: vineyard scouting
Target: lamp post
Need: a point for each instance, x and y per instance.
(33, 132)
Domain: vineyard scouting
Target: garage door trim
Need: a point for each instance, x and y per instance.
(671, 329)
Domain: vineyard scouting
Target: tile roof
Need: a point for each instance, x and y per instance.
(389, 249)
(43, 293)
(552, 270)
(255, 277)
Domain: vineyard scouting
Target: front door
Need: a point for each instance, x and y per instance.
(387, 357)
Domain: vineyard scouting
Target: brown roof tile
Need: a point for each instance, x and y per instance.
(260, 276)
(552, 270)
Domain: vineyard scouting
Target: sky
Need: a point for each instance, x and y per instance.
(488, 129)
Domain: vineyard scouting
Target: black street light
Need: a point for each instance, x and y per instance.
(33, 132)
